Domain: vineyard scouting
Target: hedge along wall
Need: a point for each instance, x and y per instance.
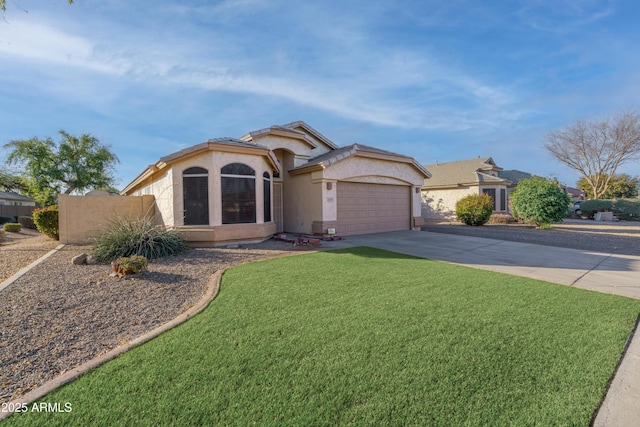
(81, 217)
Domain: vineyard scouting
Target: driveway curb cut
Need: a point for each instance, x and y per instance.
(213, 288)
(26, 269)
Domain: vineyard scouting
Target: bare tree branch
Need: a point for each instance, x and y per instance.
(596, 149)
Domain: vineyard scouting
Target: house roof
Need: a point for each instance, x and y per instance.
(10, 195)
(515, 176)
(325, 160)
(215, 144)
(299, 130)
(465, 172)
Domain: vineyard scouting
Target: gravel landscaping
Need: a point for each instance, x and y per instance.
(60, 315)
(616, 238)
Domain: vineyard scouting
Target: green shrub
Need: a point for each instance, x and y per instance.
(12, 227)
(474, 209)
(4, 219)
(130, 265)
(124, 238)
(627, 209)
(590, 207)
(46, 220)
(27, 222)
(540, 201)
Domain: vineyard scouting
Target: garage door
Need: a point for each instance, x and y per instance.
(372, 208)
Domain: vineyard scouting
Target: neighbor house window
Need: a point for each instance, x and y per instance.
(238, 194)
(503, 199)
(195, 192)
(266, 182)
(491, 192)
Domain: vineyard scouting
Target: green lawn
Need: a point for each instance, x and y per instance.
(365, 337)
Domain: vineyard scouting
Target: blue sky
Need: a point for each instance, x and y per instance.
(437, 80)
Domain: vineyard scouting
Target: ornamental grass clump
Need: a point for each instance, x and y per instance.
(474, 209)
(125, 238)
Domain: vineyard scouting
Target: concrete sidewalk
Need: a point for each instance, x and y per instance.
(601, 272)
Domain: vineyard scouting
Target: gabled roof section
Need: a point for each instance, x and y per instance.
(298, 130)
(481, 170)
(326, 160)
(10, 195)
(308, 129)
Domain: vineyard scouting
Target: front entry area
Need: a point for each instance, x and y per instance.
(372, 208)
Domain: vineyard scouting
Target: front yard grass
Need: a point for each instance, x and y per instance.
(365, 337)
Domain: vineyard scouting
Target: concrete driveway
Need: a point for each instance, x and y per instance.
(601, 272)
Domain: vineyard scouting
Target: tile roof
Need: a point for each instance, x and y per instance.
(515, 176)
(334, 156)
(473, 171)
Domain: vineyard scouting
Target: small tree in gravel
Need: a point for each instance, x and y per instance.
(474, 209)
(540, 201)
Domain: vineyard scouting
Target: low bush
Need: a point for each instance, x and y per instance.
(540, 201)
(12, 227)
(627, 209)
(27, 222)
(46, 221)
(4, 219)
(124, 238)
(474, 209)
(590, 207)
(130, 265)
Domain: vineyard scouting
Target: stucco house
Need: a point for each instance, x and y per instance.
(287, 178)
(8, 198)
(452, 181)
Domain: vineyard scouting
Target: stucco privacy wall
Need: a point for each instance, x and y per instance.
(81, 217)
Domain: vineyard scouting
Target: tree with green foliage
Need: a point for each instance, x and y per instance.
(540, 201)
(596, 149)
(3, 4)
(12, 182)
(621, 186)
(73, 164)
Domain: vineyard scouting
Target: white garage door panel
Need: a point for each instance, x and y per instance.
(372, 208)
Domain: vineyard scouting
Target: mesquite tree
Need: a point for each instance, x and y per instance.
(596, 149)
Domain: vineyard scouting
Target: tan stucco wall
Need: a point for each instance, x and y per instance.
(302, 150)
(305, 203)
(229, 233)
(81, 217)
(162, 188)
(441, 204)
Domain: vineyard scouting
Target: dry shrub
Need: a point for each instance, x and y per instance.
(501, 218)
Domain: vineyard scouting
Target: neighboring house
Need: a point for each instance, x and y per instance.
(452, 181)
(14, 205)
(575, 194)
(15, 199)
(287, 178)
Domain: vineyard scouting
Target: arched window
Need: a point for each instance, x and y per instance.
(238, 194)
(266, 182)
(195, 195)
